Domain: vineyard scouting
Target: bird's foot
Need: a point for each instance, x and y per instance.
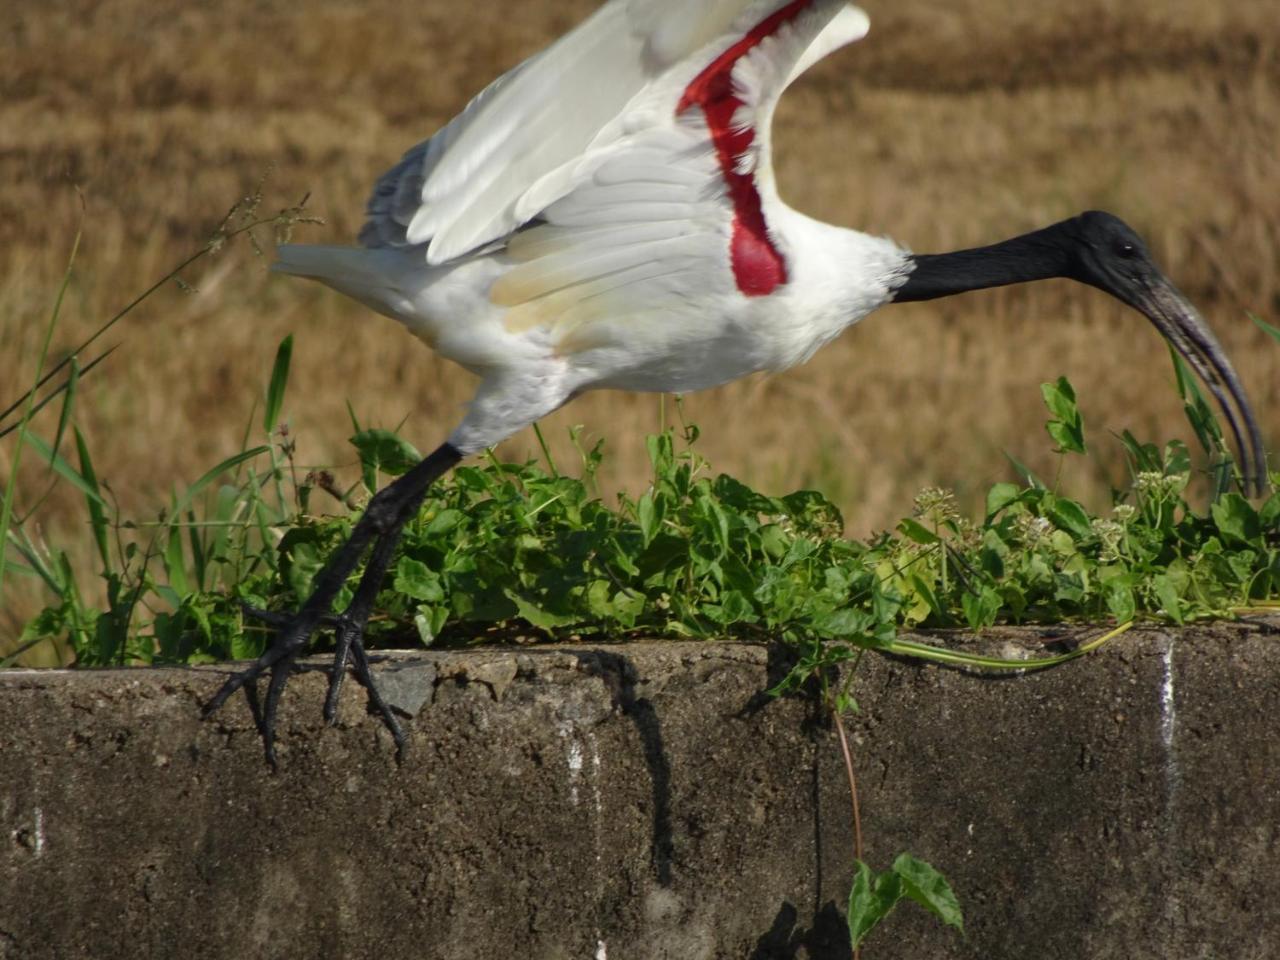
(293, 632)
(278, 659)
(377, 534)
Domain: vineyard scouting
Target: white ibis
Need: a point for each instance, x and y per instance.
(605, 215)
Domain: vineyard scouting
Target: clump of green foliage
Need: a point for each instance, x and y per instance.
(522, 551)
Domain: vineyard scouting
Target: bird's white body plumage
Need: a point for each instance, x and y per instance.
(574, 227)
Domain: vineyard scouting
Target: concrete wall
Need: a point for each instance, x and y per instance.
(645, 801)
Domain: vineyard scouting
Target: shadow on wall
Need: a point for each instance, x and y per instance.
(826, 939)
(617, 672)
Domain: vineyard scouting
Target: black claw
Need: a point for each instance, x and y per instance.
(341, 653)
(280, 671)
(380, 706)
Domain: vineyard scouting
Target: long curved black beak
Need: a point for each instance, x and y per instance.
(1182, 325)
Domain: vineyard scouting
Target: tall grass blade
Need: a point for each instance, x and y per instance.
(276, 387)
(175, 561)
(31, 553)
(1274, 332)
(228, 464)
(68, 404)
(10, 489)
(63, 469)
(57, 392)
(97, 516)
(199, 552)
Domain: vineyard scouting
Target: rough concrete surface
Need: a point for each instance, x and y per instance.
(646, 801)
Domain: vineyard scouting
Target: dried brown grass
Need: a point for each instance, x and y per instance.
(948, 127)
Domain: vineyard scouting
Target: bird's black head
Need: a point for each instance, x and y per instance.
(1108, 254)
(1105, 252)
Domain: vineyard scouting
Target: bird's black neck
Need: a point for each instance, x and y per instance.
(1033, 256)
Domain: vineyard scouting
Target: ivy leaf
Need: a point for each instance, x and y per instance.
(1167, 594)
(386, 451)
(872, 898)
(536, 615)
(1069, 516)
(415, 579)
(927, 887)
(1118, 593)
(649, 512)
(981, 609)
(1000, 496)
(1067, 426)
(1235, 518)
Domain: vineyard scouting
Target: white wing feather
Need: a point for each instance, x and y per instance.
(459, 190)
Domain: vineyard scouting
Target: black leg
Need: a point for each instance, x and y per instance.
(351, 624)
(389, 510)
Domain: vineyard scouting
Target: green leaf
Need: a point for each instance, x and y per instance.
(1167, 593)
(1069, 516)
(1025, 472)
(536, 615)
(1000, 496)
(1118, 593)
(444, 523)
(68, 402)
(386, 451)
(277, 384)
(649, 513)
(872, 898)
(175, 561)
(914, 530)
(927, 887)
(848, 622)
(306, 559)
(415, 579)
(1200, 415)
(1235, 517)
(737, 608)
(249, 644)
(1145, 457)
(980, 610)
(429, 621)
(1060, 398)
(1067, 427)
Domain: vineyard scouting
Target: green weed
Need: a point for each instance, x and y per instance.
(521, 551)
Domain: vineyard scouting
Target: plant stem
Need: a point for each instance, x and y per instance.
(853, 787)
(848, 769)
(923, 651)
(853, 796)
(546, 451)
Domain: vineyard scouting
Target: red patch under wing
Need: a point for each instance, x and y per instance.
(758, 266)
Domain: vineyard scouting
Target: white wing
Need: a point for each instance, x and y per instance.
(656, 221)
(459, 190)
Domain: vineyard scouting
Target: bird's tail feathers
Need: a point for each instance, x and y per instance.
(358, 272)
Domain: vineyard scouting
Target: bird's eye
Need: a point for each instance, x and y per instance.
(1126, 250)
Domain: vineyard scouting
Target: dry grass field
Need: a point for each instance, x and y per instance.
(953, 124)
